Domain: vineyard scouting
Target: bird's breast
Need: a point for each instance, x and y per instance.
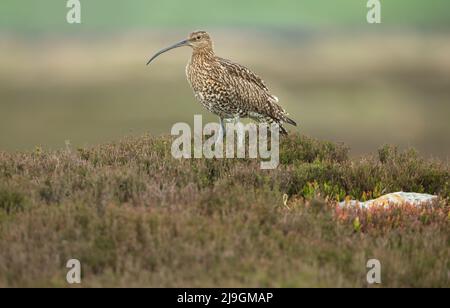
(202, 79)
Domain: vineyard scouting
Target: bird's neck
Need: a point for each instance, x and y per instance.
(205, 54)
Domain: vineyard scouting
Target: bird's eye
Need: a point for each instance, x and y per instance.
(197, 38)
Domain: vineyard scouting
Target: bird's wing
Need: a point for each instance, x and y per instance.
(242, 72)
(265, 104)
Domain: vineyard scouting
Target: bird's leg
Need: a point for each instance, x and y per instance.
(240, 132)
(222, 128)
(221, 135)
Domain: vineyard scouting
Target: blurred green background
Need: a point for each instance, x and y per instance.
(339, 77)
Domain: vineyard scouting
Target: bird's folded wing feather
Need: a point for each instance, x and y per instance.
(267, 106)
(243, 72)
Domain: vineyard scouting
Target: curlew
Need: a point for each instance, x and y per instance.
(227, 89)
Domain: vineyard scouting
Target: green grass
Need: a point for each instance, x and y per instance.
(134, 216)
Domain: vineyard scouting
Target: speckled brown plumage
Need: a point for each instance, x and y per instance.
(228, 89)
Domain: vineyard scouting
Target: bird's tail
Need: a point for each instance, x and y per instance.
(282, 115)
(283, 130)
(290, 121)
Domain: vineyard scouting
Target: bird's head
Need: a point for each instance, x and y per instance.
(198, 40)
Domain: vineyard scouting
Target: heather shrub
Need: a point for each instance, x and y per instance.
(135, 216)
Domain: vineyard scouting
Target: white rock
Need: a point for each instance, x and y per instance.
(397, 198)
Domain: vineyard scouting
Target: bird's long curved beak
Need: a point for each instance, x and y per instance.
(179, 44)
